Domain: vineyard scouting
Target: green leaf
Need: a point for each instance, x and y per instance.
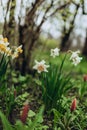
(5, 122)
(38, 119)
(31, 113)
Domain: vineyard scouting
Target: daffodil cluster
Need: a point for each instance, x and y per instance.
(7, 50)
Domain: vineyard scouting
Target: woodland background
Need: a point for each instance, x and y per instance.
(42, 25)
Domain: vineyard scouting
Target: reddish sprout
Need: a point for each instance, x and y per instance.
(85, 78)
(73, 105)
(24, 113)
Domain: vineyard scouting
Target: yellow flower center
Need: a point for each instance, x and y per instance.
(15, 55)
(41, 68)
(5, 40)
(20, 50)
(9, 52)
(3, 47)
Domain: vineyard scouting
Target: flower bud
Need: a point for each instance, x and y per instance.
(73, 105)
(85, 78)
(24, 113)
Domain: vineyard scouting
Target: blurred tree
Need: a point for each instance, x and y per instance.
(10, 26)
(37, 12)
(83, 6)
(64, 46)
(5, 26)
(84, 52)
(30, 31)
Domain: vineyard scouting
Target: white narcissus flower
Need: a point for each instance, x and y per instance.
(40, 66)
(55, 52)
(74, 54)
(5, 49)
(75, 58)
(6, 41)
(17, 51)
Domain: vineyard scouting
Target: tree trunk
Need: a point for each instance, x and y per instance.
(9, 28)
(27, 38)
(28, 35)
(64, 44)
(84, 52)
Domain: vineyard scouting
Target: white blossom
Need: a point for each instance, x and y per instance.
(40, 66)
(4, 49)
(74, 54)
(75, 58)
(17, 51)
(55, 52)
